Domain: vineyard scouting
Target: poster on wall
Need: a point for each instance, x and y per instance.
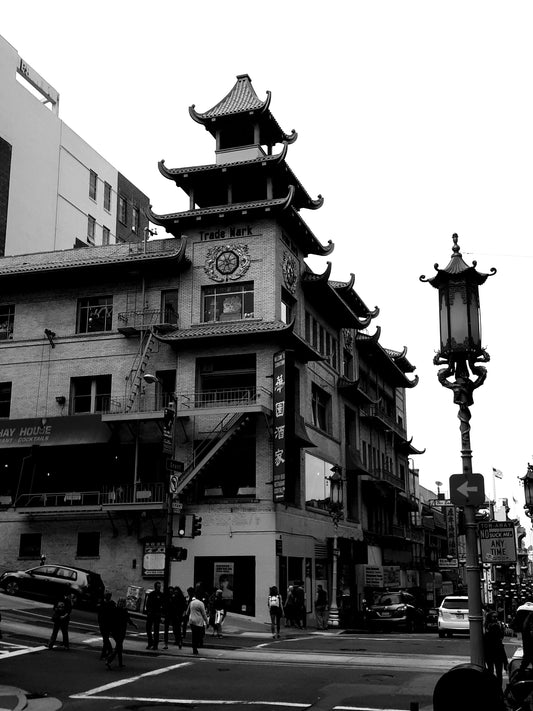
(154, 559)
(223, 578)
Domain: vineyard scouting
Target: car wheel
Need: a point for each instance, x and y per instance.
(11, 587)
(449, 635)
(441, 634)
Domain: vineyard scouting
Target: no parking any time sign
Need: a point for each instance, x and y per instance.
(497, 542)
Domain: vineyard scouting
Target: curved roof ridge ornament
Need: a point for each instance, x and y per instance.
(315, 204)
(289, 198)
(376, 336)
(290, 137)
(194, 114)
(374, 313)
(266, 104)
(411, 383)
(165, 172)
(457, 266)
(280, 157)
(152, 217)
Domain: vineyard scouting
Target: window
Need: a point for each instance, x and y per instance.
(169, 306)
(229, 379)
(287, 306)
(105, 235)
(107, 197)
(228, 302)
(93, 183)
(317, 486)
(7, 320)
(321, 408)
(135, 220)
(5, 399)
(30, 545)
(88, 544)
(91, 227)
(95, 313)
(90, 394)
(122, 210)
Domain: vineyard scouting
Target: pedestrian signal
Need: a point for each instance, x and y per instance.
(196, 526)
(178, 554)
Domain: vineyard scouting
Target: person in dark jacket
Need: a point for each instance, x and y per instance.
(175, 606)
(61, 619)
(119, 624)
(154, 610)
(495, 655)
(527, 644)
(106, 609)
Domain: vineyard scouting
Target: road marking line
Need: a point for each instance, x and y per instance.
(122, 682)
(221, 702)
(19, 652)
(362, 708)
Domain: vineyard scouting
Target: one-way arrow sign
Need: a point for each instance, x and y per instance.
(467, 490)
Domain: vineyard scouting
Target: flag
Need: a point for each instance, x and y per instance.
(497, 473)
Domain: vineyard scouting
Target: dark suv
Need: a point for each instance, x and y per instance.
(394, 610)
(53, 581)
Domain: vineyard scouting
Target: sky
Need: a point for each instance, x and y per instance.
(414, 121)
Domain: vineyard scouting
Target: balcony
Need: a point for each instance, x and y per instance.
(383, 419)
(247, 399)
(387, 476)
(132, 323)
(118, 498)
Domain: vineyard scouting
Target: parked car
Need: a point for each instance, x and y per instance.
(396, 610)
(453, 615)
(432, 618)
(51, 581)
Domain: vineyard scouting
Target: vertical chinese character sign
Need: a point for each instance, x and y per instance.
(280, 425)
(451, 530)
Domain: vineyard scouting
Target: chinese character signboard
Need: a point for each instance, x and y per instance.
(497, 542)
(283, 417)
(451, 530)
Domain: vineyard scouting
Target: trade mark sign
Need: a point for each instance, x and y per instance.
(497, 542)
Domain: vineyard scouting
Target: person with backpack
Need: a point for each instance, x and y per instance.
(61, 619)
(495, 655)
(275, 609)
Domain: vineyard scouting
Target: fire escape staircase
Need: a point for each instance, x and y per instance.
(226, 429)
(138, 369)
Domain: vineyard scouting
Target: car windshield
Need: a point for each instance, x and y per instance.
(458, 604)
(388, 599)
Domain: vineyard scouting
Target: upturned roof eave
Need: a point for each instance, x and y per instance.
(348, 294)
(371, 343)
(319, 284)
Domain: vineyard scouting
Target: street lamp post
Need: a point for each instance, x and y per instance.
(461, 352)
(336, 511)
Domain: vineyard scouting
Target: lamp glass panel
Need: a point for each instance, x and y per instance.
(444, 324)
(528, 490)
(474, 317)
(458, 314)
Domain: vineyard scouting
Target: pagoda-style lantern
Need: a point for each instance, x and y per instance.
(459, 312)
(336, 510)
(336, 491)
(528, 491)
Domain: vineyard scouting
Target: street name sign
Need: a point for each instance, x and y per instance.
(440, 502)
(451, 563)
(177, 506)
(497, 540)
(467, 490)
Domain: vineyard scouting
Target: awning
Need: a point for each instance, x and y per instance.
(53, 431)
(300, 432)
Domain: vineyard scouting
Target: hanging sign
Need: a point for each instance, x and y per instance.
(280, 434)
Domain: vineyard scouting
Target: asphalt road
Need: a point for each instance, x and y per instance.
(331, 672)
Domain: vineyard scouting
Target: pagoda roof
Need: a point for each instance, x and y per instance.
(394, 363)
(177, 222)
(347, 293)
(339, 309)
(243, 330)
(457, 270)
(211, 179)
(242, 103)
(90, 258)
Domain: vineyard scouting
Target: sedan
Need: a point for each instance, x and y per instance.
(53, 582)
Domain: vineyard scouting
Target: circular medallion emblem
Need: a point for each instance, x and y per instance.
(290, 274)
(227, 262)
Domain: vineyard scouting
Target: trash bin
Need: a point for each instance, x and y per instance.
(468, 687)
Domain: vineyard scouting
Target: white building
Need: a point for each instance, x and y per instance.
(54, 188)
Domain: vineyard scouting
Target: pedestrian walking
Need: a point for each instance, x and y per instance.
(61, 619)
(185, 623)
(175, 606)
(527, 644)
(299, 597)
(105, 613)
(495, 655)
(321, 608)
(275, 609)
(197, 617)
(154, 610)
(290, 608)
(219, 609)
(119, 624)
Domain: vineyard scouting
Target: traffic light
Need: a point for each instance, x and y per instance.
(196, 526)
(178, 554)
(181, 526)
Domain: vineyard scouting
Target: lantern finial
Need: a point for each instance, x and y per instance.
(456, 249)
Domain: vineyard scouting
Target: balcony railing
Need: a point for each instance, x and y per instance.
(388, 476)
(378, 413)
(144, 402)
(108, 496)
(147, 318)
(225, 397)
